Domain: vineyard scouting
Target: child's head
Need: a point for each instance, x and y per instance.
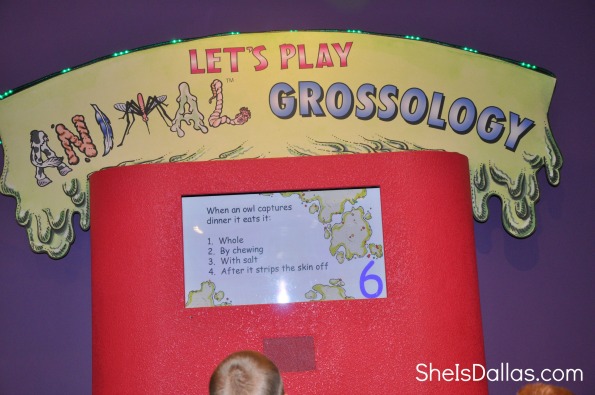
(246, 373)
(543, 389)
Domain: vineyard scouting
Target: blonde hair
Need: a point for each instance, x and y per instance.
(246, 373)
(543, 389)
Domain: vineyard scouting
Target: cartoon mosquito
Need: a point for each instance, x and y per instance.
(132, 108)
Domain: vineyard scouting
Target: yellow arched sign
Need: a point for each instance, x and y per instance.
(275, 94)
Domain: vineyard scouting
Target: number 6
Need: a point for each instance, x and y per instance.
(369, 277)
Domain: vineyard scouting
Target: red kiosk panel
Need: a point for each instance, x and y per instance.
(146, 341)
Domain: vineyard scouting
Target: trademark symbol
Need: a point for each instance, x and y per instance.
(229, 79)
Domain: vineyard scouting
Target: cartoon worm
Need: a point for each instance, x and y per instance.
(68, 139)
(216, 118)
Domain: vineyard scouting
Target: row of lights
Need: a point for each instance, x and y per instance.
(126, 52)
(529, 66)
(5, 94)
(524, 64)
(176, 41)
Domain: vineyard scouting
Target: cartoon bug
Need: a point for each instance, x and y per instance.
(132, 108)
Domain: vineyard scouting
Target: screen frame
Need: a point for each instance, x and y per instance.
(372, 276)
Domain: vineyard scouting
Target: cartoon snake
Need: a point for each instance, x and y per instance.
(216, 119)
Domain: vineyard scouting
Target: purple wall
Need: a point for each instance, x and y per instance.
(538, 294)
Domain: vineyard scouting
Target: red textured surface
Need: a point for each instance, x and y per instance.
(291, 354)
(145, 341)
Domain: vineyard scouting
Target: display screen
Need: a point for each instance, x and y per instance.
(247, 249)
